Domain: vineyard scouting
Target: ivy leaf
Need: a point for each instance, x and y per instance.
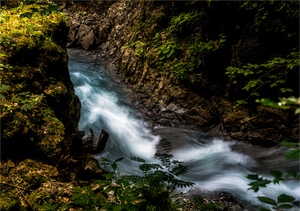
(266, 200)
(283, 198)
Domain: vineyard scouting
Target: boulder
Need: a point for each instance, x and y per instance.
(88, 40)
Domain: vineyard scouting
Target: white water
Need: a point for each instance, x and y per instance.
(214, 165)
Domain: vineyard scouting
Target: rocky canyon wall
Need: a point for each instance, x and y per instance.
(154, 45)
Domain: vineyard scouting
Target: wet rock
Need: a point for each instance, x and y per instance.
(92, 168)
(88, 40)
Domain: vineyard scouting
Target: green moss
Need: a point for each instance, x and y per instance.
(7, 202)
(19, 31)
(34, 80)
(17, 185)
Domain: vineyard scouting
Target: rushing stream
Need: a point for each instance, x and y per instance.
(214, 164)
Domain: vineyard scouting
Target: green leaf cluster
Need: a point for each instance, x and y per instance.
(254, 77)
(183, 60)
(283, 202)
(182, 22)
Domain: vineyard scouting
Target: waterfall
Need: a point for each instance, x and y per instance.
(214, 164)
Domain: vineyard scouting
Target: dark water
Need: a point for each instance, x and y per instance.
(214, 164)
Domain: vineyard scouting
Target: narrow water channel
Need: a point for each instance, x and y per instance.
(214, 164)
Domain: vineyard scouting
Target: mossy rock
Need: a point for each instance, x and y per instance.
(52, 196)
(40, 111)
(8, 203)
(18, 181)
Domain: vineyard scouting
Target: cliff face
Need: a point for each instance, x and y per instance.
(189, 63)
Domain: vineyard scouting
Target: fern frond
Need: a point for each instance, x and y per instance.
(150, 166)
(137, 159)
(165, 144)
(132, 178)
(164, 157)
(181, 184)
(179, 170)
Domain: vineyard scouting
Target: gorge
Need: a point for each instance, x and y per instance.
(188, 72)
(213, 163)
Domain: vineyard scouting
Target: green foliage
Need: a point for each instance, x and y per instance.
(284, 103)
(269, 10)
(43, 12)
(113, 165)
(182, 22)
(253, 77)
(167, 50)
(185, 62)
(283, 201)
(140, 48)
(85, 198)
(182, 61)
(27, 26)
(27, 50)
(294, 153)
(153, 189)
(48, 207)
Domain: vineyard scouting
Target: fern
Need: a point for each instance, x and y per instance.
(179, 170)
(166, 145)
(137, 159)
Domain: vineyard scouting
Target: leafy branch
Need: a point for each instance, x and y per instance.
(273, 73)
